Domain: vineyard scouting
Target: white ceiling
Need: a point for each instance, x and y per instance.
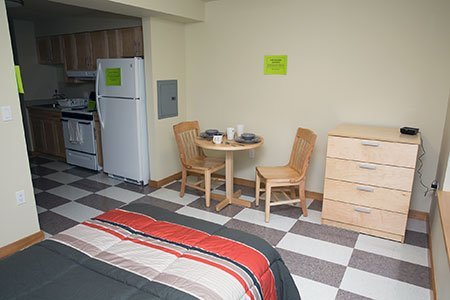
(39, 10)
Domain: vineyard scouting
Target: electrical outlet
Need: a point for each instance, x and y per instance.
(435, 184)
(6, 113)
(20, 197)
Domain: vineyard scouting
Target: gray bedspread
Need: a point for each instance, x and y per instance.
(145, 252)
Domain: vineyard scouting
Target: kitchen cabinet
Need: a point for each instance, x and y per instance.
(49, 50)
(80, 51)
(114, 44)
(84, 51)
(132, 41)
(46, 130)
(70, 54)
(99, 45)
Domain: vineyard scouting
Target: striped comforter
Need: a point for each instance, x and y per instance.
(153, 254)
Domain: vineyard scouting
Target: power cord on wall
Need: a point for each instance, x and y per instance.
(419, 168)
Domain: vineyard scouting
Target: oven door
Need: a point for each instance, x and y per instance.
(88, 143)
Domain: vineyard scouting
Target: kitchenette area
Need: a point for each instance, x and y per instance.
(58, 51)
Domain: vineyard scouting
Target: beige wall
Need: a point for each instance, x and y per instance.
(164, 53)
(39, 81)
(443, 170)
(17, 221)
(368, 62)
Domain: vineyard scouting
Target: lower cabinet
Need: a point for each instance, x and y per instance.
(47, 132)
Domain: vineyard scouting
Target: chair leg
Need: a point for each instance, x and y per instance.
(268, 194)
(302, 196)
(292, 192)
(258, 183)
(183, 182)
(208, 188)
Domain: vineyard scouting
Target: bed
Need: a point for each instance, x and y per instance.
(145, 252)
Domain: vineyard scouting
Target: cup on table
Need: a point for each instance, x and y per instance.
(217, 139)
(239, 130)
(230, 133)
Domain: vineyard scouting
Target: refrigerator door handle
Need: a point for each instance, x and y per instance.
(97, 82)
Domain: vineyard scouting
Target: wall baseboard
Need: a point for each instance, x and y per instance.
(164, 181)
(413, 214)
(21, 244)
(418, 215)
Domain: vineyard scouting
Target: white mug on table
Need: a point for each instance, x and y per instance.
(230, 133)
(239, 130)
(217, 139)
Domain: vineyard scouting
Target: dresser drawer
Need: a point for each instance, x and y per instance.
(371, 174)
(388, 153)
(373, 218)
(371, 196)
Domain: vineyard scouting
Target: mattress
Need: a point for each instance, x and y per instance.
(145, 252)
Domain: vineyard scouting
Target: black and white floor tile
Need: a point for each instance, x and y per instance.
(325, 262)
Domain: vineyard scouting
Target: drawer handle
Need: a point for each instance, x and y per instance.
(365, 188)
(363, 210)
(367, 166)
(370, 143)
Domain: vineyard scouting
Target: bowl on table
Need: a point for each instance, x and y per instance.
(248, 136)
(211, 131)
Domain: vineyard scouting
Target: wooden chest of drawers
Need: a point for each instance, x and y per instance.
(368, 179)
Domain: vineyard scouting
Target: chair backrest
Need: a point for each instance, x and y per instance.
(302, 150)
(185, 134)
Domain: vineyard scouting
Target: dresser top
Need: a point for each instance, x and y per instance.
(386, 134)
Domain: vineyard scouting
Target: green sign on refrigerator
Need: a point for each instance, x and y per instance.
(113, 77)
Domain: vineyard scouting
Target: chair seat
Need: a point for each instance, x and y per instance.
(279, 174)
(205, 163)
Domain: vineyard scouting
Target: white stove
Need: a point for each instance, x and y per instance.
(80, 138)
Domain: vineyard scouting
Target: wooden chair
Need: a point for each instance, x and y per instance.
(193, 159)
(290, 176)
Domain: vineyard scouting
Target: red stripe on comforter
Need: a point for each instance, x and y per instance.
(233, 250)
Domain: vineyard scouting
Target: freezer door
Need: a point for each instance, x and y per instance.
(118, 77)
(121, 138)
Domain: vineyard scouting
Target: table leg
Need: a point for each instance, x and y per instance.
(230, 195)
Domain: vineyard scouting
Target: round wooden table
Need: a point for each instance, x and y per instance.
(229, 147)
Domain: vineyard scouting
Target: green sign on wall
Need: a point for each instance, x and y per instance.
(113, 77)
(275, 64)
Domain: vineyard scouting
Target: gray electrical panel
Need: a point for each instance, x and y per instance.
(167, 98)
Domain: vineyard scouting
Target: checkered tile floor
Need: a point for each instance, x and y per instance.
(325, 262)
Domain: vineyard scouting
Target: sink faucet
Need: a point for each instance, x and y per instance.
(57, 95)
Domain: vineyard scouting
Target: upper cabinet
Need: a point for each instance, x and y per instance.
(70, 52)
(132, 41)
(99, 46)
(80, 51)
(49, 50)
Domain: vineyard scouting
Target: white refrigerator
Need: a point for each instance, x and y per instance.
(120, 88)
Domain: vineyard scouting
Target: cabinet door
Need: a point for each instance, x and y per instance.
(37, 131)
(70, 52)
(99, 41)
(84, 51)
(49, 136)
(131, 39)
(59, 136)
(44, 50)
(114, 43)
(57, 52)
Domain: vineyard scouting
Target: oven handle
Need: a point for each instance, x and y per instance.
(97, 82)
